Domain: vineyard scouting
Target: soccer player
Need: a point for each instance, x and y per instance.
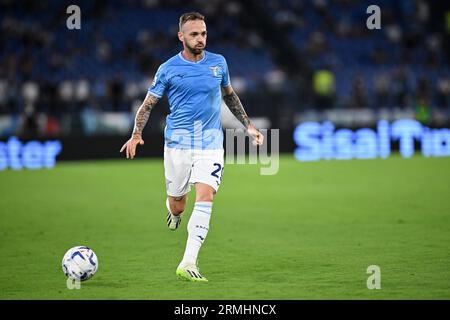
(195, 81)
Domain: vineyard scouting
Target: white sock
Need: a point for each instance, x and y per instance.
(197, 230)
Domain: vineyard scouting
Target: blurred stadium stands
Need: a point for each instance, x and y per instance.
(290, 61)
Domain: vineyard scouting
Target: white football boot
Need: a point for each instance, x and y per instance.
(190, 272)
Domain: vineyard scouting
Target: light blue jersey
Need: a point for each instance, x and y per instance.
(194, 93)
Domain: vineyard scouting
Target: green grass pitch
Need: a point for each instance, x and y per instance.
(308, 232)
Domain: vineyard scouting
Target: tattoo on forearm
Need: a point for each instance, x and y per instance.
(143, 114)
(235, 106)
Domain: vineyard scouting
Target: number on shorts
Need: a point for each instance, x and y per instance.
(219, 168)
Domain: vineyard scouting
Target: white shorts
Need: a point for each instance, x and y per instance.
(185, 167)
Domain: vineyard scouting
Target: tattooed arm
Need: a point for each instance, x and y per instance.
(143, 114)
(140, 121)
(234, 104)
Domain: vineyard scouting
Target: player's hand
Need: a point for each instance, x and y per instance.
(130, 146)
(258, 137)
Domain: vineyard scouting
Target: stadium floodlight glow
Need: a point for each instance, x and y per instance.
(316, 141)
(30, 155)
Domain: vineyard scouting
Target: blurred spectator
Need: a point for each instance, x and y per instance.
(423, 108)
(400, 88)
(423, 111)
(115, 94)
(275, 80)
(82, 92)
(317, 44)
(324, 85)
(3, 96)
(443, 93)
(423, 90)
(28, 125)
(66, 92)
(381, 89)
(359, 97)
(30, 92)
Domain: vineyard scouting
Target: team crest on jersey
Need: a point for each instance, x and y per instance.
(215, 70)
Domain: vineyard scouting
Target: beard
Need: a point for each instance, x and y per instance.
(194, 50)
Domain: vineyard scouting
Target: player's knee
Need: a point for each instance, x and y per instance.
(204, 193)
(205, 197)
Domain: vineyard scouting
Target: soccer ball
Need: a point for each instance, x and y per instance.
(80, 263)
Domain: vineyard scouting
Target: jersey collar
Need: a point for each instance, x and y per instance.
(182, 58)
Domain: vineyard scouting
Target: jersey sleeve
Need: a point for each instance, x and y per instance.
(225, 75)
(159, 84)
